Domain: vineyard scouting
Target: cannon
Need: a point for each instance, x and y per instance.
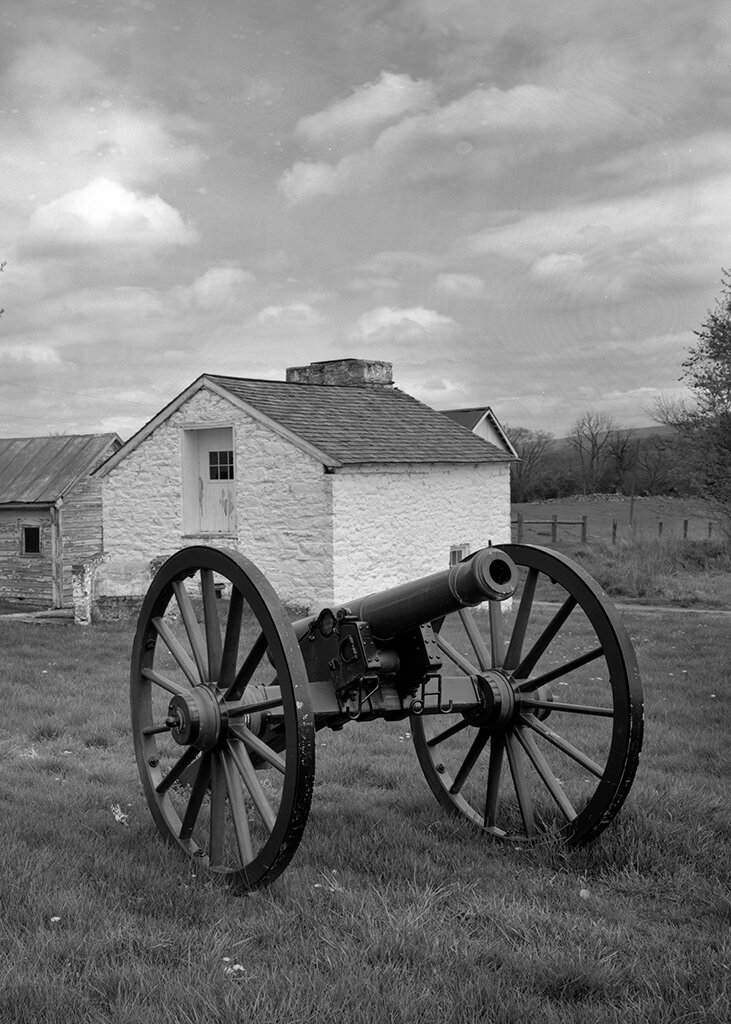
(514, 671)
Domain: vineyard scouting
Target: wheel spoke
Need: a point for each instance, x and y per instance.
(522, 618)
(231, 641)
(249, 667)
(192, 629)
(178, 651)
(497, 645)
(475, 636)
(549, 633)
(239, 815)
(576, 709)
(197, 793)
(562, 670)
(544, 770)
(492, 796)
(177, 770)
(453, 654)
(451, 731)
(259, 747)
(558, 741)
(218, 811)
(212, 624)
(167, 684)
(519, 781)
(478, 745)
(246, 770)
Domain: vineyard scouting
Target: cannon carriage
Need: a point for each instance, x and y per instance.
(515, 672)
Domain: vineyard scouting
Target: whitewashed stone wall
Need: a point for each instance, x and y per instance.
(283, 506)
(394, 524)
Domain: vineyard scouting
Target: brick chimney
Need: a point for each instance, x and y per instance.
(352, 373)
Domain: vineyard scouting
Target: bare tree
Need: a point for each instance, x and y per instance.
(532, 447)
(705, 424)
(590, 440)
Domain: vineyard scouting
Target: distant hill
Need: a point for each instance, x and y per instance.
(636, 432)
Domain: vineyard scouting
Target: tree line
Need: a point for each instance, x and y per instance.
(598, 456)
(688, 453)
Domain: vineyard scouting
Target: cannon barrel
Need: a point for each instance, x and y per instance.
(489, 574)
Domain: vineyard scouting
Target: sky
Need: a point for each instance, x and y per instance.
(518, 204)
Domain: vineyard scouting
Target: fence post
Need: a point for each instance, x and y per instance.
(554, 529)
(710, 529)
(685, 529)
(584, 520)
(520, 528)
(614, 531)
(659, 528)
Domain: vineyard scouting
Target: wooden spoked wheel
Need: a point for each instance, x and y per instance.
(221, 716)
(557, 745)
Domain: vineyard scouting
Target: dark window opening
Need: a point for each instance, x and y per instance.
(31, 540)
(457, 552)
(221, 465)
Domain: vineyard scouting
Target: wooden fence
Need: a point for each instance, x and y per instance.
(521, 526)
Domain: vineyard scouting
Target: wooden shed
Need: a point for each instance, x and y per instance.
(50, 513)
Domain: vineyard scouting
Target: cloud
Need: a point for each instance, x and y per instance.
(303, 181)
(222, 287)
(35, 353)
(384, 100)
(493, 124)
(74, 122)
(296, 313)
(466, 286)
(399, 325)
(614, 247)
(104, 214)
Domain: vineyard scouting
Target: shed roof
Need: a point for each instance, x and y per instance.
(472, 418)
(39, 470)
(341, 425)
(366, 424)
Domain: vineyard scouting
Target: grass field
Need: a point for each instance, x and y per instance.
(664, 570)
(645, 514)
(390, 911)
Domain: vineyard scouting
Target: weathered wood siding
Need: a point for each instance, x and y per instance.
(26, 577)
(81, 528)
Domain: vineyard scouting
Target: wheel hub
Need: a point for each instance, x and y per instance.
(195, 718)
(498, 700)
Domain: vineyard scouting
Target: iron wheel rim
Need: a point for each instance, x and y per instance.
(508, 744)
(231, 793)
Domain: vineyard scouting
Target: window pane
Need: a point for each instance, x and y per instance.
(31, 540)
(221, 465)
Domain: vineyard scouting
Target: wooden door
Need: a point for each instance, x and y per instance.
(216, 483)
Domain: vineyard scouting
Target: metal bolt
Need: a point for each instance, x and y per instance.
(153, 761)
(440, 768)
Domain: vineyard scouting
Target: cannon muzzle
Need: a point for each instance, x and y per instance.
(489, 574)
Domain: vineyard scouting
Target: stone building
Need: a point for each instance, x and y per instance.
(334, 482)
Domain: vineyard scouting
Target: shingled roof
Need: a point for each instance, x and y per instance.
(40, 470)
(355, 425)
(341, 425)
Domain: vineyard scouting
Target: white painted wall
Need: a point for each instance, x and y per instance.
(283, 506)
(395, 523)
(319, 537)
